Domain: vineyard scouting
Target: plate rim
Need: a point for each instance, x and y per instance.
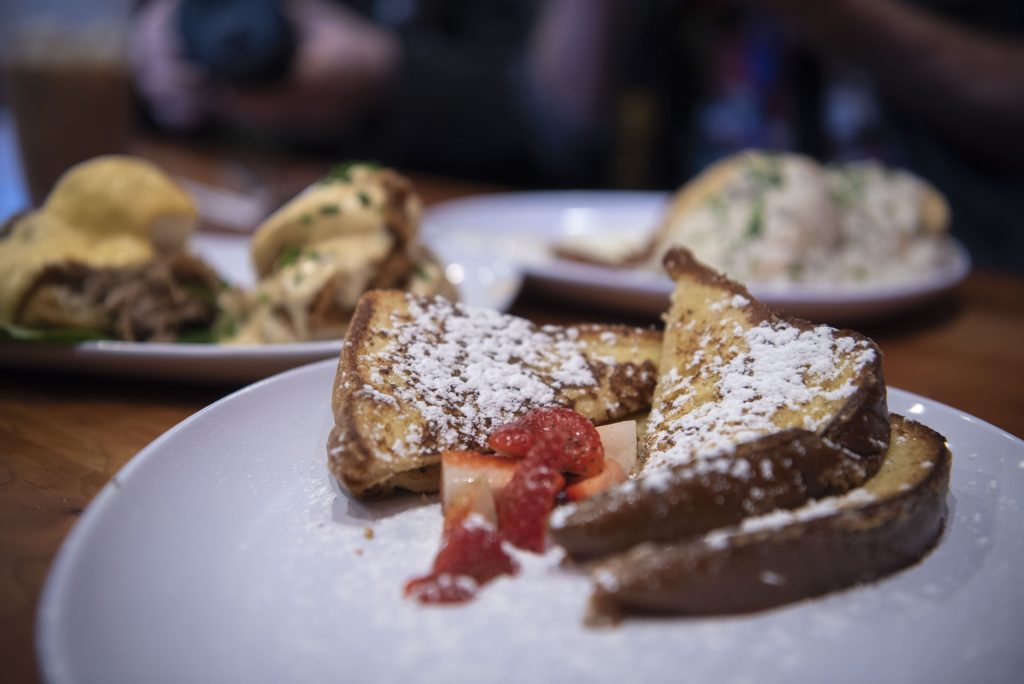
(45, 636)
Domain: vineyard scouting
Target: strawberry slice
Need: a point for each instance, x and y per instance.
(520, 493)
(609, 477)
(619, 442)
(564, 439)
(526, 503)
(460, 468)
(471, 551)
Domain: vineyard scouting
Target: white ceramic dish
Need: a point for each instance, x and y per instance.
(482, 280)
(224, 552)
(523, 226)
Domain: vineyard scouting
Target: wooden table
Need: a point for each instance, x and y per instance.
(62, 437)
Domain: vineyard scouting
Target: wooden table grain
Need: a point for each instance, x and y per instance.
(63, 436)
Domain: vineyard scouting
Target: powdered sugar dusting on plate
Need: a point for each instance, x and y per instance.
(222, 576)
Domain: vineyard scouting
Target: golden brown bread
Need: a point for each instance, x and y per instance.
(751, 412)
(887, 524)
(418, 376)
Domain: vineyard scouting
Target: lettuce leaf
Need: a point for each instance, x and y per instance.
(17, 333)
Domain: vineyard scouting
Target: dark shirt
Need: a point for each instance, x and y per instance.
(460, 102)
(987, 202)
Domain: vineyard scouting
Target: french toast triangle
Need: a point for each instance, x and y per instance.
(752, 412)
(887, 524)
(419, 376)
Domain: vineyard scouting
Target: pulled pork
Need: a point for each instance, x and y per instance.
(155, 302)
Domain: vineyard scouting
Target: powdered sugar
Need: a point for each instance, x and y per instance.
(780, 518)
(467, 369)
(777, 366)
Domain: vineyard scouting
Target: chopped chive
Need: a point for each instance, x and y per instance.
(289, 255)
(343, 172)
(755, 225)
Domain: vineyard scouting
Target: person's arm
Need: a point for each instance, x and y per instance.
(573, 55)
(966, 85)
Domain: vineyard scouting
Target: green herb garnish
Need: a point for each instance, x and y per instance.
(849, 191)
(17, 333)
(305, 218)
(224, 327)
(767, 173)
(364, 199)
(343, 172)
(289, 255)
(755, 225)
(330, 209)
(718, 207)
(201, 292)
(198, 336)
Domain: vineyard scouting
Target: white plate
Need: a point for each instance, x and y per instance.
(523, 226)
(481, 279)
(224, 552)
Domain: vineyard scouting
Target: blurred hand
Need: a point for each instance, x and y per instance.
(174, 89)
(342, 66)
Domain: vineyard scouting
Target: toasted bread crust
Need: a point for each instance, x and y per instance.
(756, 461)
(687, 502)
(391, 426)
(862, 424)
(897, 518)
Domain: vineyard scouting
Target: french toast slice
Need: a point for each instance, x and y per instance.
(419, 376)
(887, 524)
(752, 412)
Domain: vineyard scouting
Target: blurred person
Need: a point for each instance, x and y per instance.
(505, 90)
(951, 77)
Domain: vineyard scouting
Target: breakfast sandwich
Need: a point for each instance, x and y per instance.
(105, 257)
(355, 230)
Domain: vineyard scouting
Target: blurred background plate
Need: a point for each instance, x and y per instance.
(522, 227)
(481, 279)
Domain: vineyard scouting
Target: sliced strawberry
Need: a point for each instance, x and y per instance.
(619, 442)
(441, 588)
(526, 503)
(520, 494)
(471, 553)
(561, 437)
(473, 548)
(459, 468)
(609, 477)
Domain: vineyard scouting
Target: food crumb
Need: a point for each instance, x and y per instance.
(368, 533)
